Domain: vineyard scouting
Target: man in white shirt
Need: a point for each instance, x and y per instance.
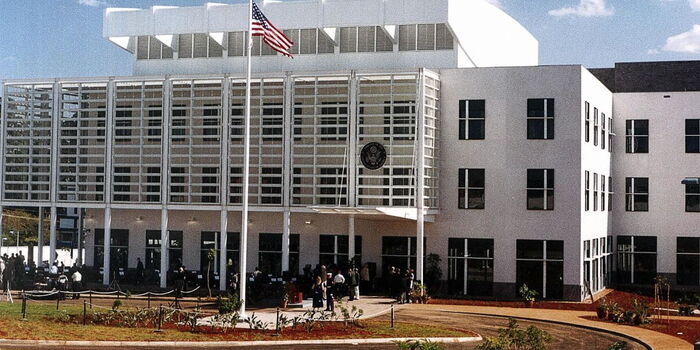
(339, 285)
(53, 269)
(77, 283)
(2, 272)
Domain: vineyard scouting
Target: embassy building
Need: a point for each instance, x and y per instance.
(397, 121)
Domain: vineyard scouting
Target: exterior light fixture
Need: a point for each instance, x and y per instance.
(308, 222)
(192, 220)
(139, 218)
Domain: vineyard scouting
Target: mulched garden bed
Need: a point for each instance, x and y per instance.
(686, 330)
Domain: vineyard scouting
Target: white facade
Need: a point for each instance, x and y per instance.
(513, 160)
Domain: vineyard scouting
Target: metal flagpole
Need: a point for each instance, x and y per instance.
(243, 279)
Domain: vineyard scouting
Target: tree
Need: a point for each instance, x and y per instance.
(211, 255)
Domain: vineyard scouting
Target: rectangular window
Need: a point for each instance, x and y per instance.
(692, 136)
(472, 122)
(540, 119)
(636, 259)
(540, 189)
(119, 249)
(308, 41)
(470, 266)
(610, 193)
(366, 39)
(540, 265)
(184, 46)
(398, 252)
(595, 126)
(637, 139)
(637, 194)
(610, 134)
(587, 191)
(426, 37)
(602, 192)
(270, 253)
(688, 261)
(471, 189)
(407, 37)
(333, 250)
(236, 43)
(587, 123)
(595, 192)
(692, 198)
(348, 39)
(603, 130)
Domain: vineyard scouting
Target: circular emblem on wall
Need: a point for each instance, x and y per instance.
(373, 156)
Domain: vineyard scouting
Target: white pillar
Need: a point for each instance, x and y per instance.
(52, 237)
(40, 241)
(420, 179)
(223, 259)
(1, 228)
(286, 228)
(351, 238)
(107, 245)
(164, 252)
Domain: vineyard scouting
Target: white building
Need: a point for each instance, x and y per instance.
(504, 166)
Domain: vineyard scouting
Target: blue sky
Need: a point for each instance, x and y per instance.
(63, 38)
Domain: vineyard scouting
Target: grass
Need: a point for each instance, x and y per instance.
(41, 324)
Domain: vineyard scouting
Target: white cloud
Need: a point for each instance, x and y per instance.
(587, 8)
(653, 52)
(498, 3)
(93, 3)
(694, 4)
(688, 42)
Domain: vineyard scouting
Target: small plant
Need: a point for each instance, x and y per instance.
(640, 311)
(620, 345)
(255, 323)
(419, 345)
(228, 305)
(527, 294)
(116, 304)
(603, 309)
(515, 338)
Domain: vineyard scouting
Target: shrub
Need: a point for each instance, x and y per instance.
(514, 338)
(527, 294)
(230, 304)
(116, 304)
(419, 345)
(620, 345)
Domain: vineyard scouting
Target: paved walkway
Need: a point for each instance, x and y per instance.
(371, 307)
(654, 339)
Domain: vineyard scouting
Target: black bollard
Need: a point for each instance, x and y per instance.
(24, 307)
(58, 299)
(84, 312)
(160, 318)
(392, 316)
(90, 297)
(148, 294)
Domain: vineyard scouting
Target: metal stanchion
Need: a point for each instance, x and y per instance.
(392, 315)
(277, 323)
(58, 299)
(84, 312)
(160, 319)
(24, 307)
(90, 297)
(149, 299)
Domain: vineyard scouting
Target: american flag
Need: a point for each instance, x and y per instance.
(270, 35)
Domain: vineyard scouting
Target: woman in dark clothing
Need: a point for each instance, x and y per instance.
(318, 291)
(330, 303)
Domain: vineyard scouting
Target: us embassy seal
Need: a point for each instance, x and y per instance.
(373, 156)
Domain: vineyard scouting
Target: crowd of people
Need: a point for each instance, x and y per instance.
(400, 284)
(331, 284)
(17, 273)
(12, 270)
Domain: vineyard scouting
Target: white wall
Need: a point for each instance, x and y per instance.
(665, 165)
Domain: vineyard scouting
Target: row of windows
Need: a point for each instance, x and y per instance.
(637, 195)
(637, 136)
(540, 119)
(599, 191)
(601, 135)
(411, 37)
(540, 189)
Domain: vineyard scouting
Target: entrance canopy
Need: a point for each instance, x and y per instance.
(392, 212)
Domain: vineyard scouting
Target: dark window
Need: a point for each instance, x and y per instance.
(472, 122)
(471, 189)
(471, 273)
(692, 136)
(636, 259)
(595, 126)
(692, 198)
(540, 119)
(540, 189)
(587, 123)
(587, 191)
(334, 250)
(637, 139)
(533, 259)
(688, 261)
(637, 194)
(270, 253)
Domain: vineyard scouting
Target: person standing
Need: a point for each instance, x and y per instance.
(77, 283)
(317, 291)
(2, 273)
(353, 284)
(330, 303)
(339, 284)
(139, 271)
(365, 283)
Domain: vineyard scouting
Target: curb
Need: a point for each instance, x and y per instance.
(586, 327)
(219, 344)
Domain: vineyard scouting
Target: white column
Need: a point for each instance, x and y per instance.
(223, 260)
(286, 228)
(107, 245)
(351, 238)
(352, 144)
(420, 168)
(1, 228)
(40, 241)
(52, 236)
(164, 252)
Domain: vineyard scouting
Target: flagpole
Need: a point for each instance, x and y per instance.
(243, 279)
